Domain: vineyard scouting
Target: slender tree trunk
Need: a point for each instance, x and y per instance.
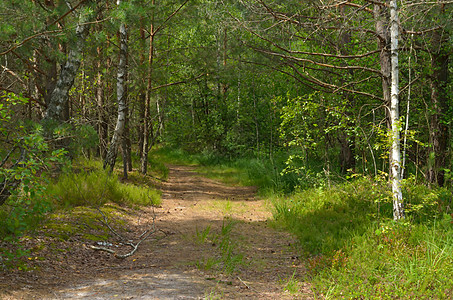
(112, 152)
(381, 19)
(439, 135)
(398, 210)
(142, 96)
(147, 124)
(347, 142)
(100, 101)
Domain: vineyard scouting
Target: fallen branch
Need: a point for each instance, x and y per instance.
(124, 241)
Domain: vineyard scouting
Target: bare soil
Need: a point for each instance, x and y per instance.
(184, 259)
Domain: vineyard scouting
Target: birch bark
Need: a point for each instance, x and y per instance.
(395, 162)
(112, 152)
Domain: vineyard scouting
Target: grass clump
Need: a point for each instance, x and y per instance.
(227, 258)
(324, 219)
(95, 187)
(393, 261)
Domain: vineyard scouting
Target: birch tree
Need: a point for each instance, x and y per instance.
(112, 152)
(395, 158)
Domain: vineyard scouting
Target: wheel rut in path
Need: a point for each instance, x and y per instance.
(187, 262)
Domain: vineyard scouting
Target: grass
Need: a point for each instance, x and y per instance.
(81, 186)
(291, 284)
(93, 186)
(354, 249)
(226, 259)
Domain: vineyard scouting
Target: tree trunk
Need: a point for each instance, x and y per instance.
(112, 153)
(398, 210)
(439, 134)
(100, 100)
(147, 123)
(381, 19)
(59, 96)
(142, 96)
(347, 142)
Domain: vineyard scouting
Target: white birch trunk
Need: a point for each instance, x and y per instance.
(398, 211)
(112, 152)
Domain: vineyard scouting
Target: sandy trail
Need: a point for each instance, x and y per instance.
(174, 264)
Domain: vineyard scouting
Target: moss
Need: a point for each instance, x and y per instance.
(94, 238)
(83, 222)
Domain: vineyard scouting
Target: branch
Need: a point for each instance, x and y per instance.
(175, 83)
(311, 53)
(152, 229)
(428, 2)
(65, 14)
(318, 63)
(347, 3)
(169, 18)
(332, 87)
(27, 62)
(28, 39)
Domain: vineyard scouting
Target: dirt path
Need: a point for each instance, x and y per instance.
(217, 245)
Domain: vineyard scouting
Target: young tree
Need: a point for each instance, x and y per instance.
(395, 161)
(112, 153)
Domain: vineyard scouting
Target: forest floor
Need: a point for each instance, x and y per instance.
(213, 242)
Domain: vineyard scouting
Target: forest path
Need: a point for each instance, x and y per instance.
(192, 259)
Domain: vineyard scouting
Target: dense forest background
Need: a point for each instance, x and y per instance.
(300, 89)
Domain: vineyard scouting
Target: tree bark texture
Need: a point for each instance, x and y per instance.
(59, 96)
(398, 210)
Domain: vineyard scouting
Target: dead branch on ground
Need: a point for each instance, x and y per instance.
(152, 229)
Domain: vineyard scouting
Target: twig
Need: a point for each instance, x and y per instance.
(142, 237)
(106, 223)
(246, 285)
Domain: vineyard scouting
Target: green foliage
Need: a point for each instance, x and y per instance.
(355, 250)
(23, 170)
(422, 203)
(324, 219)
(260, 172)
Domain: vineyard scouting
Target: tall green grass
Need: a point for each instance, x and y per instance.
(90, 185)
(355, 250)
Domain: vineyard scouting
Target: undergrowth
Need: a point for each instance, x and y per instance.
(82, 185)
(355, 250)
